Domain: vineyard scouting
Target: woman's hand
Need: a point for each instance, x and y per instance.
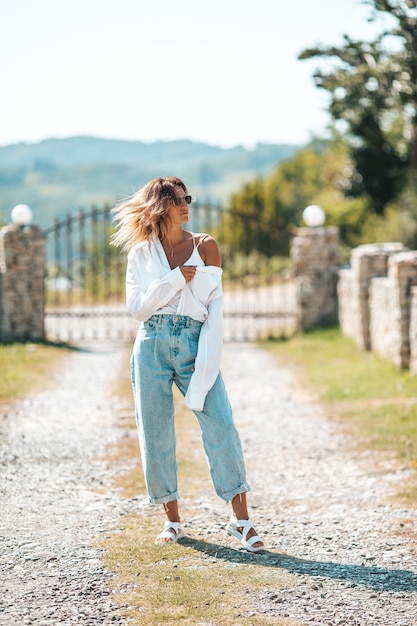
(188, 271)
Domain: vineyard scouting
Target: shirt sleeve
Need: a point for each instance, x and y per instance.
(141, 301)
(207, 363)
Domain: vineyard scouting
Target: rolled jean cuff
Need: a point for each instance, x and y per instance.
(244, 488)
(164, 499)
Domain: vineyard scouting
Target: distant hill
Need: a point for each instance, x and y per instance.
(58, 176)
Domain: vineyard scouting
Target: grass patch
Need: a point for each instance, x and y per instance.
(332, 365)
(25, 367)
(376, 401)
(189, 582)
(195, 581)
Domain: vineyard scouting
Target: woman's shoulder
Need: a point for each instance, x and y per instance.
(208, 248)
(201, 238)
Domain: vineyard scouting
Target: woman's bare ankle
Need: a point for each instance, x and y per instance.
(171, 511)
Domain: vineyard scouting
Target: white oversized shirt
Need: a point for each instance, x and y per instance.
(151, 285)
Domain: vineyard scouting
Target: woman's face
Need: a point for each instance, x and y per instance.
(179, 215)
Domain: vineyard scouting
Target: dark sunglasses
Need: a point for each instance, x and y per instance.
(178, 200)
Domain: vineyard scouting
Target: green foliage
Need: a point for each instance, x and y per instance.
(267, 209)
(260, 214)
(263, 213)
(250, 223)
(399, 222)
(364, 95)
(395, 225)
(253, 269)
(372, 88)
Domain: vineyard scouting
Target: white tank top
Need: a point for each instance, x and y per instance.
(195, 259)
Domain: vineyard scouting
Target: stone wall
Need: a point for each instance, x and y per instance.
(378, 303)
(413, 330)
(22, 272)
(402, 276)
(315, 256)
(384, 333)
(367, 262)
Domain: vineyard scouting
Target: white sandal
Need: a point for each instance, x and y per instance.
(246, 524)
(172, 531)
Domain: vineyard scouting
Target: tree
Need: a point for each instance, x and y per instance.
(405, 12)
(373, 91)
(363, 96)
(263, 214)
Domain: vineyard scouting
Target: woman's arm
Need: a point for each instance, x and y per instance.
(143, 300)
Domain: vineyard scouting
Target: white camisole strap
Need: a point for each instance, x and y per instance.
(201, 240)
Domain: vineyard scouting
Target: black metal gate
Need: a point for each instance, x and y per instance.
(86, 278)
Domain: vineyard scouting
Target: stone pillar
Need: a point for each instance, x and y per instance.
(413, 331)
(402, 268)
(367, 262)
(315, 257)
(22, 274)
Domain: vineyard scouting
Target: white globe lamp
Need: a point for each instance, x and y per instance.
(314, 216)
(21, 215)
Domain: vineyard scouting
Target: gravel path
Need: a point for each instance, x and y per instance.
(325, 515)
(53, 485)
(353, 553)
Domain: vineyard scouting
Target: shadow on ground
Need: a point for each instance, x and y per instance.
(378, 578)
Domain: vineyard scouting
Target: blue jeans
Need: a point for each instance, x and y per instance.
(163, 354)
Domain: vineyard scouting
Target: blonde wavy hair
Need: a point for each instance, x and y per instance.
(144, 215)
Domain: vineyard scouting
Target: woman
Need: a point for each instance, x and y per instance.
(173, 287)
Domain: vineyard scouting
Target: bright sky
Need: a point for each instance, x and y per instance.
(224, 72)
